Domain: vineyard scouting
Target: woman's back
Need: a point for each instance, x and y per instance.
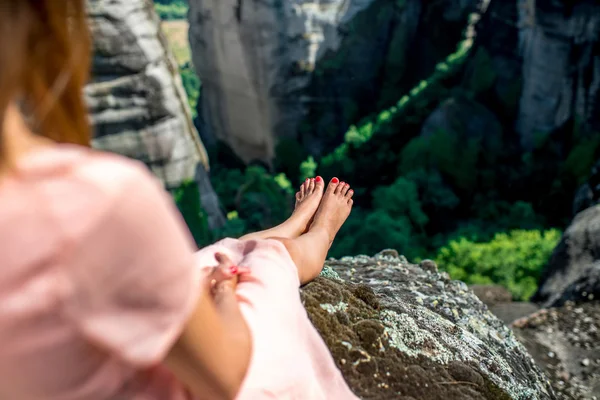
(100, 284)
(59, 286)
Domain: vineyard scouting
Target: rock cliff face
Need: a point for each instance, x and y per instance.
(402, 331)
(540, 59)
(465, 119)
(138, 105)
(561, 65)
(589, 194)
(304, 70)
(573, 272)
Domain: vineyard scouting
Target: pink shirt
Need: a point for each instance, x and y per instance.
(99, 276)
(97, 279)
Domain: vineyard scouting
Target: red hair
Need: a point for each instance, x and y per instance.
(44, 64)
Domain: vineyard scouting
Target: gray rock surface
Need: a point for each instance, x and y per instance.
(303, 70)
(540, 59)
(499, 301)
(561, 65)
(491, 294)
(138, 106)
(589, 193)
(465, 119)
(565, 342)
(510, 312)
(398, 331)
(573, 272)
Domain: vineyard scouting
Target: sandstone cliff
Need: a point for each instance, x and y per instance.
(138, 105)
(304, 70)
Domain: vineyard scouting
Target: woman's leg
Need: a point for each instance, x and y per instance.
(308, 199)
(309, 250)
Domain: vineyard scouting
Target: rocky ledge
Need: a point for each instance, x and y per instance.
(404, 331)
(565, 342)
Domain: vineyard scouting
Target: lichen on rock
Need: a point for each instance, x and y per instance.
(398, 331)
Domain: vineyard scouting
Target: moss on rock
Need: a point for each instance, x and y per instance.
(399, 332)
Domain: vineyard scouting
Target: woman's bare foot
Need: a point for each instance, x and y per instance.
(334, 209)
(308, 199)
(309, 250)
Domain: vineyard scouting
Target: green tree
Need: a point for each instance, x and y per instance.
(401, 200)
(369, 233)
(513, 260)
(171, 9)
(260, 199)
(308, 168)
(191, 84)
(187, 199)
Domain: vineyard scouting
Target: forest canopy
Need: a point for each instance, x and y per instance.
(470, 200)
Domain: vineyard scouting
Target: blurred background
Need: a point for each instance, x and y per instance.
(467, 128)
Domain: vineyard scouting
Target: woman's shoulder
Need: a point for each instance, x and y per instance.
(111, 172)
(80, 186)
(105, 173)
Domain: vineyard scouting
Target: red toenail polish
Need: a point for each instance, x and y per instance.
(335, 180)
(233, 269)
(319, 179)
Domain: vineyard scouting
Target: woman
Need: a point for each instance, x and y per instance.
(102, 295)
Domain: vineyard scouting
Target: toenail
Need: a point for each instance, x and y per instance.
(335, 180)
(319, 179)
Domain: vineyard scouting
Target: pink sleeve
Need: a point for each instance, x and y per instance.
(132, 274)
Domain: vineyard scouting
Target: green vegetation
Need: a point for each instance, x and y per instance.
(171, 9)
(191, 84)
(253, 200)
(260, 200)
(468, 197)
(187, 199)
(416, 105)
(514, 260)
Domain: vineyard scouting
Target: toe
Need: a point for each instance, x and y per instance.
(302, 190)
(333, 184)
(349, 194)
(345, 189)
(339, 189)
(298, 196)
(311, 186)
(350, 202)
(319, 184)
